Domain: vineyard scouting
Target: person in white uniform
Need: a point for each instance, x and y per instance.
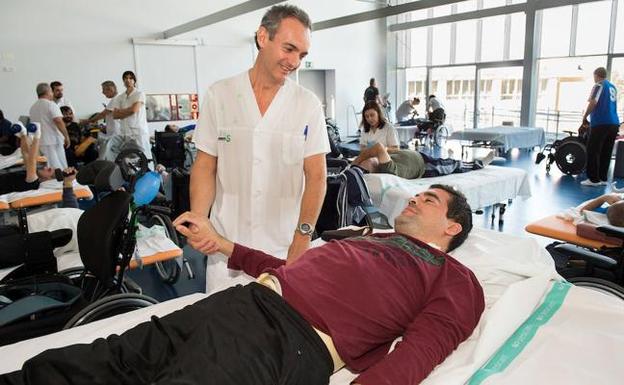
(109, 89)
(54, 137)
(261, 139)
(407, 110)
(130, 109)
(377, 129)
(58, 96)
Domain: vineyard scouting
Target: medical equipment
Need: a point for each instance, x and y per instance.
(568, 153)
(425, 131)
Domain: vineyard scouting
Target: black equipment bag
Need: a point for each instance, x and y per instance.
(180, 181)
(348, 202)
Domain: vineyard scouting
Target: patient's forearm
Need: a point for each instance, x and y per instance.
(252, 262)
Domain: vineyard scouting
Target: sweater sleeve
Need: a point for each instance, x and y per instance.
(448, 318)
(252, 262)
(69, 198)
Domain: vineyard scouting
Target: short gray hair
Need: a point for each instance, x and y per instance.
(43, 88)
(109, 83)
(274, 16)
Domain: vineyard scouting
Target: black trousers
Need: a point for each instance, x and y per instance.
(599, 149)
(439, 167)
(242, 335)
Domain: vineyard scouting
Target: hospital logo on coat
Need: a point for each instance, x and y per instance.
(225, 137)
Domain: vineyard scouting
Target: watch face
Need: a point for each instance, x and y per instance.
(305, 227)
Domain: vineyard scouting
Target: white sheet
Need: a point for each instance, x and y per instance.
(485, 187)
(507, 137)
(7, 161)
(498, 260)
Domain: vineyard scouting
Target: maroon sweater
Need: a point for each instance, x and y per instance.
(367, 291)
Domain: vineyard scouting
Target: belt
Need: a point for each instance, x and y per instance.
(273, 283)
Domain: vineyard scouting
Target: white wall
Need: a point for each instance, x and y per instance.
(82, 43)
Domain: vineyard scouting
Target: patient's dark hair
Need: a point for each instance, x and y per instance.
(458, 210)
(615, 214)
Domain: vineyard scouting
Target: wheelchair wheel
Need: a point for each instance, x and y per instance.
(108, 307)
(441, 135)
(599, 284)
(169, 271)
(89, 283)
(570, 157)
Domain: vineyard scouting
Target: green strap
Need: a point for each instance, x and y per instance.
(523, 335)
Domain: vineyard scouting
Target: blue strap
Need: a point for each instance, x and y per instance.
(523, 335)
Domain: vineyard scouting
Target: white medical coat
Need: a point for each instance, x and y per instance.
(135, 125)
(260, 177)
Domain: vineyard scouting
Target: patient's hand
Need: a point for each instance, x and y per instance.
(201, 235)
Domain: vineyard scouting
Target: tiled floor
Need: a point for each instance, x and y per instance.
(551, 194)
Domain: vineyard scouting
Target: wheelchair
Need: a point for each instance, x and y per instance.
(133, 163)
(597, 269)
(432, 131)
(42, 301)
(569, 154)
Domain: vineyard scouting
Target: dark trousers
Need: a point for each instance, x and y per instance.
(599, 149)
(439, 167)
(242, 335)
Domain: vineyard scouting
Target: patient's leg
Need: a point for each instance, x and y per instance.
(243, 335)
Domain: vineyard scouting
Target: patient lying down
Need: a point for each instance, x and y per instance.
(341, 304)
(410, 164)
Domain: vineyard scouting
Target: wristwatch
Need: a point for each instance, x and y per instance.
(305, 229)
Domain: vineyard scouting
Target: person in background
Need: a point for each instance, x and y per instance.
(111, 129)
(58, 96)
(603, 126)
(435, 109)
(130, 109)
(371, 94)
(376, 129)
(407, 110)
(54, 136)
(8, 142)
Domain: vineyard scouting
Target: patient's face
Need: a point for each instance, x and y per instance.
(425, 215)
(45, 173)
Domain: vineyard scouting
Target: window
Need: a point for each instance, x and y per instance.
(485, 87)
(454, 86)
(516, 37)
(493, 36)
(441, 44)
(556, 24)
(592, 36)
(466, 41)
(511, 89)
(493, 3)
(619, 28)
(418, 47)
(415, 87)
(467, 6)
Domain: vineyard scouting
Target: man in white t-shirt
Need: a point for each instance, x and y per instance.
(261, 139)
(109, 89)
(130, 109)
(58, 97)
(54, 137)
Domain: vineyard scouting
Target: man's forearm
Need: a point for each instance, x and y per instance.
(202, 185)
(590, 107)
(61, 127)
(122, 113)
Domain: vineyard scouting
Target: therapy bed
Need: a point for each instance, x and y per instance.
(575, 338)
(486, 187)
(502, 138)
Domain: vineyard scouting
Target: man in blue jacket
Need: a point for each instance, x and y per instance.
(603, 128)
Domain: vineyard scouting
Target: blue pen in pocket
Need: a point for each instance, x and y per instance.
(305, 133)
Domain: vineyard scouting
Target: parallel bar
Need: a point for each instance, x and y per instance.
(228, 13)
(380, 13)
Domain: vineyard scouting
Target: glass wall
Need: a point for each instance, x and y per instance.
(455, 87)
(617, 78)
(500, 96)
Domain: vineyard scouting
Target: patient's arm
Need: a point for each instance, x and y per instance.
(597, 202)
(201, 235)
(252, 262)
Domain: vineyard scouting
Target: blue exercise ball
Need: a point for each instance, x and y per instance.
(146, 188)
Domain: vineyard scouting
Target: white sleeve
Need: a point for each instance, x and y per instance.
(392, 138)
(55, 110)
(317, 141)
(206, 132)
(363, 138)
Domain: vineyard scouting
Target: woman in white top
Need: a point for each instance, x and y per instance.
(131, 110)
(377, 129)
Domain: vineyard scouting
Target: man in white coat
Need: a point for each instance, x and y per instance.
(54, 137)
(261, 139)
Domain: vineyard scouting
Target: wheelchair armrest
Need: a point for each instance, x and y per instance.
(596, 259)
(612, 231)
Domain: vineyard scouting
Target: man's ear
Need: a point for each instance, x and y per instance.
(453, 229)
(262, 36)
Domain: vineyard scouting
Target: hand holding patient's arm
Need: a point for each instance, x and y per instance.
(201, 235)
